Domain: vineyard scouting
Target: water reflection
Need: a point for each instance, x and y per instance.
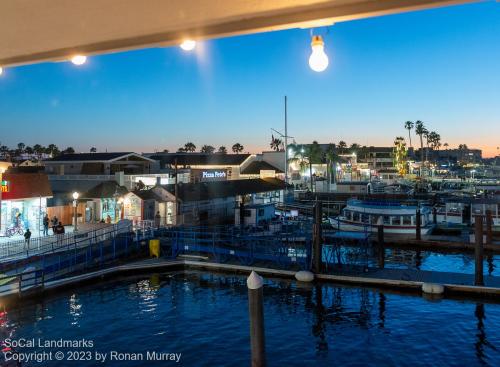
(381, 310)
(481, 334)
(75, 309)
(319, 328)
(306, 324)
(410, 259)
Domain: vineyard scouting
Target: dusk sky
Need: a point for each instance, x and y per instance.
(440, 66)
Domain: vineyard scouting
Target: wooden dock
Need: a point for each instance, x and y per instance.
(455, 284)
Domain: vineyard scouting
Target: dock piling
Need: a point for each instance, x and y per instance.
(317, 240)
(489, 225)
(418, 225)
(256, 310)
(381, 247)
(479, 251)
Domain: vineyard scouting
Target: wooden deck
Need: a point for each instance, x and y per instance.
(411, 280)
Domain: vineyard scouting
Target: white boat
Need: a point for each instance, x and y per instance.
(367, 215)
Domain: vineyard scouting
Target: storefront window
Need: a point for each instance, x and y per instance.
(23, 213)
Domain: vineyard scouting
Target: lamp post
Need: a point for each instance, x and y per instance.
(119, 214)
(76, 195)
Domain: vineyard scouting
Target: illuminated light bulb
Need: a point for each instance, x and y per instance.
(79, 59)
(1, 70)
(188, 45)
(318, 61)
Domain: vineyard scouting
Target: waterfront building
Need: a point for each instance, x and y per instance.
(144, 204)
(255, 214)
(23, 201)
(103, 201)
(99, 164)
(214, 202)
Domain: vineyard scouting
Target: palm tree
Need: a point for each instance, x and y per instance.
(69, 150)
(222, 150)
(400, 154)
(314, 155)
(38, 150)
(420, 130)
(276, 144)
(332, 158)
(446, 145)
(409, 126)
(208, 149)
(21, 147)
(426, 136)
(93, 150)
(29, 150)
(342, 145)
(354, 147)
(237, 148)
(53, 150)
(189, 147)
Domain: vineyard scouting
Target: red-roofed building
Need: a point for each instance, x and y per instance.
(23, 200)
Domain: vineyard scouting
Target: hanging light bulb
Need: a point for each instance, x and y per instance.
(188, 45)
(318, 61)
(1, 70)
(79, 59)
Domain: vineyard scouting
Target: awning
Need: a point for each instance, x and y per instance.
(20, 186)
(54, 30)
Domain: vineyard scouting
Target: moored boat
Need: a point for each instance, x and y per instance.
(367, 215)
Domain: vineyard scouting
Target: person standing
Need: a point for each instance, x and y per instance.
(157, 220)
(27, 237)
(46, 221)
(59, 231)
(54, 224)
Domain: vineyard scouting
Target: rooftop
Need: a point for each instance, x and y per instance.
(94, 157)
(199, 159)
(255, 167)
(222, 189)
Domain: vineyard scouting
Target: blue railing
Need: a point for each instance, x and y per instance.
(225, 244)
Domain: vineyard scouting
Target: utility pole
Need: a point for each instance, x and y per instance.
(176, 193)
(286, 143)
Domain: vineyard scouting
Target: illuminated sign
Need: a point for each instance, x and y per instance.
(213, 174)
(208, 175)
(5, 186)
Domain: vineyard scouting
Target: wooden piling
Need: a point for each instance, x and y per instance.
(317, 237)
(381, 246)
(479, 250)
(418, 225)
(256, 312)
(489, 230)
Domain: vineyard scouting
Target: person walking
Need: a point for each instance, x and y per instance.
(27, 237)
(46, 221)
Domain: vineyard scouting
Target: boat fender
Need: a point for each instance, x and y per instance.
(304, 276)
(433, 288)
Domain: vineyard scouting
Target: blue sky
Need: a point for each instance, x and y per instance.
(440, 66)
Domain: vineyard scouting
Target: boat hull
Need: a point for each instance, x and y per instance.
(343, 225)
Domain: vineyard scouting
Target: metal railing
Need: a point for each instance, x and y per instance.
(227, 243)
(19, 249)
(24, 275)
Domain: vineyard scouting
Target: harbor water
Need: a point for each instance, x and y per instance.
(204, 318)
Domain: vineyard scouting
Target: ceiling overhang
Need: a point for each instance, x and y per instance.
(34, 31)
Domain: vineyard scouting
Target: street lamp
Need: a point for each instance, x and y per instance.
(119, 209)
(76, 195)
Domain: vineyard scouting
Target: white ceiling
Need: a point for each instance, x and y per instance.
(50, 30)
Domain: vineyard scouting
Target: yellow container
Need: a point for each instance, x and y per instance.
(154, 248)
